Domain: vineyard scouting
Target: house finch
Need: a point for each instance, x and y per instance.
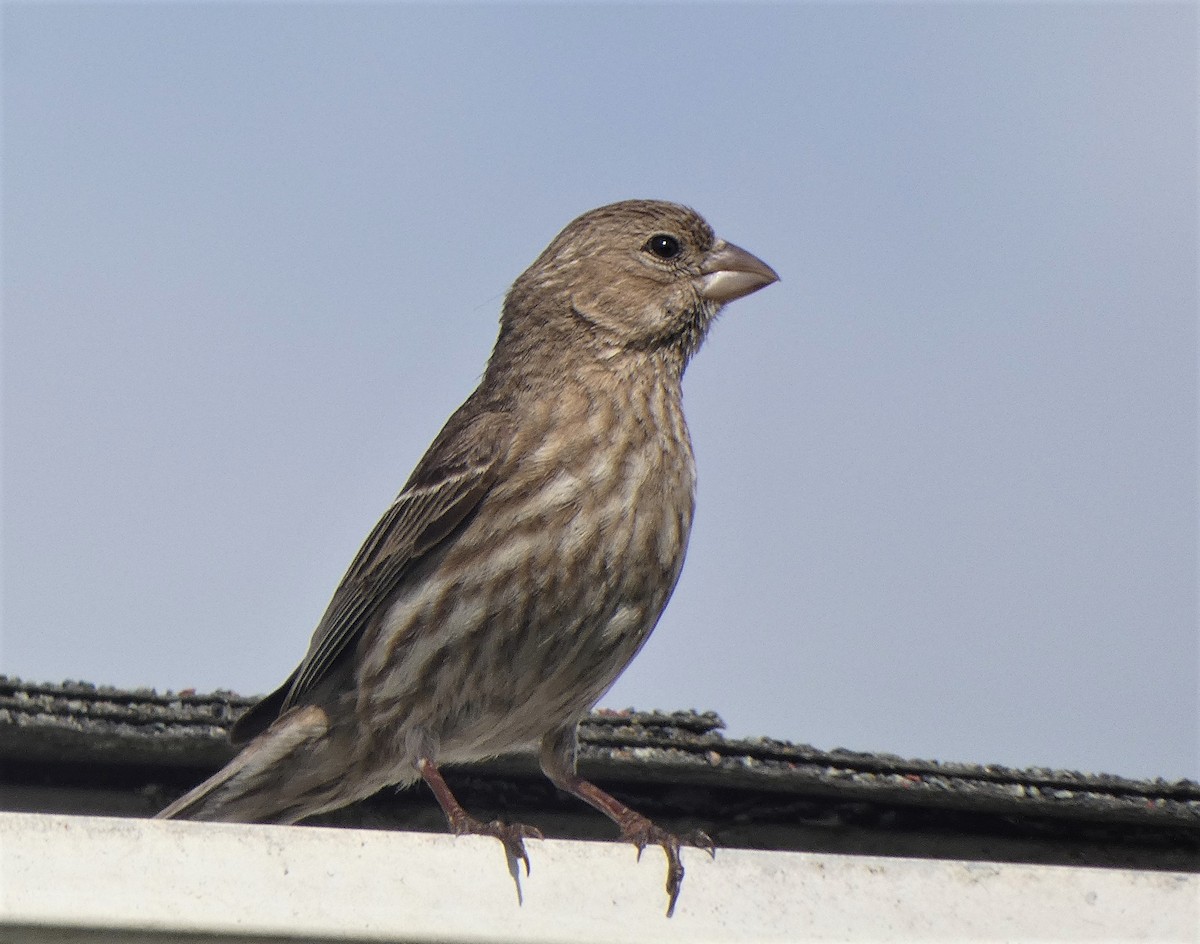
(529, 555)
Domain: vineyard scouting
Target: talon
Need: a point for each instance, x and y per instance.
(511, 835)
(641, 832)
(514, 840)
(674, 880)
(701, 840)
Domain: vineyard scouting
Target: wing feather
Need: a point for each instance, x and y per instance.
(447, 486)
(401, 537)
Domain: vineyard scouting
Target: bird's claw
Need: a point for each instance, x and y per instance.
(512, 835)
(642, 832)
(701, 840)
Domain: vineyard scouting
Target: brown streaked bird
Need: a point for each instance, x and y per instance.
(529, 555)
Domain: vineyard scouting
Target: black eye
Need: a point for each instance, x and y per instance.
(663, 246)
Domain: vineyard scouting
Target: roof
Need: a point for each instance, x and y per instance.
(76, 747)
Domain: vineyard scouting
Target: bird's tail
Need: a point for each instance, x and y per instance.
(276, 778)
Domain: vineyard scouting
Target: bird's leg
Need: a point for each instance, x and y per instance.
(558, 763)
(462, 823)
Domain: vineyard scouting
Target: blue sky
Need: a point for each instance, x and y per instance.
(253, 256)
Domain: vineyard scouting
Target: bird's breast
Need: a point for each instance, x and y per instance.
(594, 470)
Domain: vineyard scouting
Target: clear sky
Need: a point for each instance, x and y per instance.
(254, 255)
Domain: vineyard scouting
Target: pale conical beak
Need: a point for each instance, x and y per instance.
(730, 272)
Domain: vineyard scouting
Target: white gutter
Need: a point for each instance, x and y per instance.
(83, 879)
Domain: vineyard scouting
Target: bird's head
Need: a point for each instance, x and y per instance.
(636, 275)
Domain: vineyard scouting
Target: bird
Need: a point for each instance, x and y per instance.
(528, 556)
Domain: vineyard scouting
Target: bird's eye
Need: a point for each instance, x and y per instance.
(663, 246)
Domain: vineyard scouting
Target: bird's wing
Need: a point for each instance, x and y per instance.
(448, 484)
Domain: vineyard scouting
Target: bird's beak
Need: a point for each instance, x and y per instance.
(729, 272)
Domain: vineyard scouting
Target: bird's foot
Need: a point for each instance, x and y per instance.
(462, 823)
(642, 832)
(513, 835)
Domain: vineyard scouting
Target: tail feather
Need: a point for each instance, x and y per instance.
(259, 784)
